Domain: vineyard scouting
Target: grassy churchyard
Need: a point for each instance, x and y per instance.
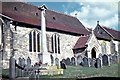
(84, 72)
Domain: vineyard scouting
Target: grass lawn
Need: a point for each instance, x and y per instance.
(84, 72)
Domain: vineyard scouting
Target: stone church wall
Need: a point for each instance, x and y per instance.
(93, 43)
(21, 45)
(107, 45)
(67, 42)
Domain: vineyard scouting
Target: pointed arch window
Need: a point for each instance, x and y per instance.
(112, 46)
(49, 43)
(103, 47)
(34, 41)
(119, 48)
(56, 43)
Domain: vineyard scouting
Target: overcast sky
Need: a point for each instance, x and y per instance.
(88, 11)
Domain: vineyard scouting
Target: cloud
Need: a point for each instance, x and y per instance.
(91, 12)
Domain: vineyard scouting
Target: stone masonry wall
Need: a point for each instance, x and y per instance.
(21, 45)
(107, 45)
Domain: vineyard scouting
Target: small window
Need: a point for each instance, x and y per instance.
(54, 18)
(36, 14)
(15, 8)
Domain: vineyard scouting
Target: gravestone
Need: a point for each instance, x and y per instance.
(23, 62)
(93, 62)
(67, 61)
(110, 57)
(57, 62)
(23, 65)
(52, 59)
(63, 60)
(28, 62)
(98, 63)
(79, 60)
(105, 60)
(63, 65)
(114, 59)
(85, 62)
(90, 62)
(19, 70)
(12, 68)
(72, 61)
(20, 61)
(100, 55)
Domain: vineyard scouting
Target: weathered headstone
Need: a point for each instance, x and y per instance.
(90, 62)
(57, 62)
(67, 61)
(98, 63)
(63, 60)
(100, 55)
(114, 58)
(20, 64)
(85, 62)
(105, 60)
(63, 65)
(79, 60)
(12, 68)
(20, 61)
(52, 59)
(23, 62)
(28, 62)
(72, 61)
(93, 62)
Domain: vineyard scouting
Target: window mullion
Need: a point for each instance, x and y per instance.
(32, 42)
(36, 42)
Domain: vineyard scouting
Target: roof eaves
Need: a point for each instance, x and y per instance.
(6, 16)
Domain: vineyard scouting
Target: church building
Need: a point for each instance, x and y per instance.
(28, 31)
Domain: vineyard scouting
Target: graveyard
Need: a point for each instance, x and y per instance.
(81, 72)
(41, 43)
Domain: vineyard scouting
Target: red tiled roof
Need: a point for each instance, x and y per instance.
(81, 42)
(115, 34)
(26, 13)
(99, 36)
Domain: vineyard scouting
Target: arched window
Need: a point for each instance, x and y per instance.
(30, 42)
(119, 48)
(38, 43)
(56, 43)
(49, 43)
(34, 41)
(103, 47)
(112, 46)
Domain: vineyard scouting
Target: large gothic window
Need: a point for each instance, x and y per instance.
(34, 41)
(112, 46)
(49, 43)
(55, 43)
(119, 48)
(103, 47)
